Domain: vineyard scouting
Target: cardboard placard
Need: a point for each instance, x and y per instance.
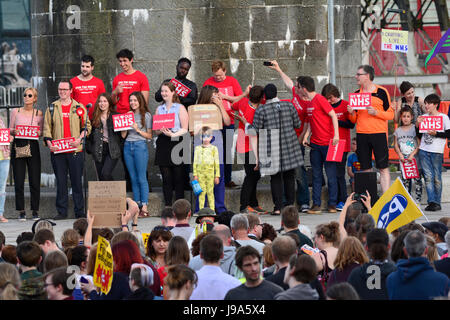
(430, 123)
(63, 145)
(163, 121)
(360, 101)
(4, 137)
(123, 122)
(107, 202)
(336, 152)
(409, 169)
(204, 115)
(180, 88)
(27, 132)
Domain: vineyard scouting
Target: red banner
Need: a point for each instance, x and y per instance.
(359, 101)
(180, 88)
(163, 121)
(409, 169)
(430, 123)
(4, 137)
(63, 145)
(336, 152)
(27, 132)
(123, 122)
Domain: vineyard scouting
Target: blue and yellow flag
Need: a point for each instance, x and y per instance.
(395, 208)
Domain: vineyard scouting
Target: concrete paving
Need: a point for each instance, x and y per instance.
(14, 227)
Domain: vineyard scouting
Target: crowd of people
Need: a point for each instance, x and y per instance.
(232, 256)
(226, 256)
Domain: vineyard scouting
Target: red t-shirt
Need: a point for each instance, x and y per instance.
(342, 115)
(320, 122)
(301, 107)
(66, 120)
(86, 92)
(247, 111)
(137, 81)
(230, 86)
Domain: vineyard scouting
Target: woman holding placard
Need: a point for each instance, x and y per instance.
(104, 143)
(168, 137)
(4, 170)
(26, 125)
(136, 151)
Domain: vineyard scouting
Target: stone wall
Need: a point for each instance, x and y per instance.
(243, 33)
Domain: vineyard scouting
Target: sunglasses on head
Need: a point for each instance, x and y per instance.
(161, 228)
(206, 135)
(27, 95)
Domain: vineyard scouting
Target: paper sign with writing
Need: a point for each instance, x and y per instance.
(107, 202)
(430, 123)
(122, 122)
(163, 121)
(335, 152)
(394, 40)
(409, 169)
(103, 271)
(359, 101)
(63, 145)
(180, 88)
(27, 132)
(4, 137)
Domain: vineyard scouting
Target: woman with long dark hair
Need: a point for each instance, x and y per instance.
(136, 151)
(104, 143)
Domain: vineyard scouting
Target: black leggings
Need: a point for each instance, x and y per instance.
(172, 179)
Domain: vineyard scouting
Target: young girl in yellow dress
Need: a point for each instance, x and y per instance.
(206, 167)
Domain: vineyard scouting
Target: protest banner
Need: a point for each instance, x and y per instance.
(145, 237)
(163, 121)
(360, 101)
(107, 202)
(395, 208)
(4, 137)
(336, 152)
(123, 122)
(409, 169)
(180, 88)
(204, 115)
(27, 132)
(63, 145)
(103, 270)
(394, 40)
(430, 123)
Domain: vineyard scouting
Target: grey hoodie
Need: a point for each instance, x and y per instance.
(227, 264)
(299, 292)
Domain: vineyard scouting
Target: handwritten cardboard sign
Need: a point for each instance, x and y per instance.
(27, 132)
(359, 101)
(430, 123)
(123, 122)
(63, 145)
(409, 169)
(103, 270)
(107, 202)
(336, 152)
(201, 115)
(180, 88)
(4, 137)
(163, 121)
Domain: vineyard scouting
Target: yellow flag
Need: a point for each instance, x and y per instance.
(103, 271)
(145, 237)
(395, 208)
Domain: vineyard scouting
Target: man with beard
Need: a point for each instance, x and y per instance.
(188, 96)
(86, 87)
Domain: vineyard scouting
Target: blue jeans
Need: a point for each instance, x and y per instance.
(136, 160)
(4, 170)
(302, 183)
(318, 156)
(432, 170)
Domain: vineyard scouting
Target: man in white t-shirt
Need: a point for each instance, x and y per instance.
(431, 152)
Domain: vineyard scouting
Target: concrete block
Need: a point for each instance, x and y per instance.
(349, 57)
(317, 49)
(345, 19)
(212, 51)
(292, 49)
(181, 4)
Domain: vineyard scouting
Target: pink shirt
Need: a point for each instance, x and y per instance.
(18, 117)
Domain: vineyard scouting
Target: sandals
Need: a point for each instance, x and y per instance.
(3, 219)
(143, 213)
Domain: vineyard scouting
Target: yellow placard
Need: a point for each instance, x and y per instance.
(103, 271)
(145, 237)
(394, 40)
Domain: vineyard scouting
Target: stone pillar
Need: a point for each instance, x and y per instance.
(159, 32)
